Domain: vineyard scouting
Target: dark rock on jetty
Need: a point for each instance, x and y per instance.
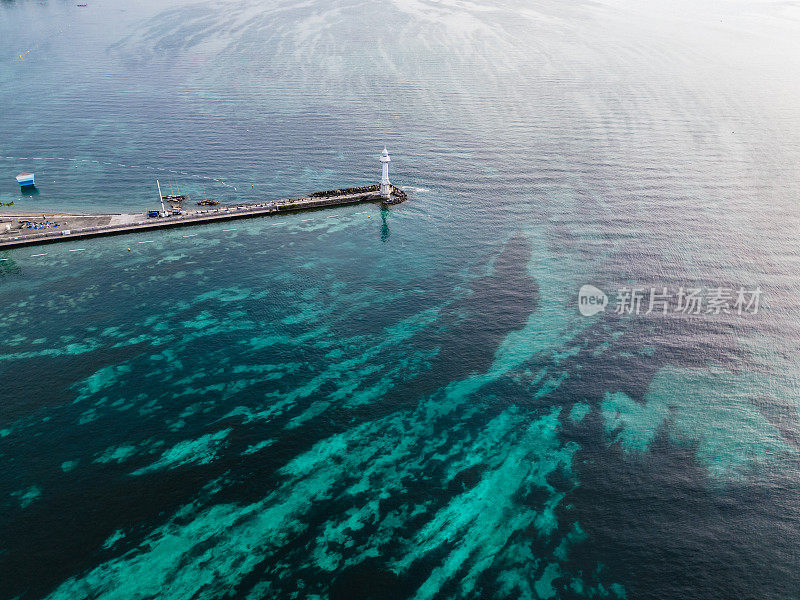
(396, 197)
(345, 191)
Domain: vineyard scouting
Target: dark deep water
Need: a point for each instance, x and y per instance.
(356, 403)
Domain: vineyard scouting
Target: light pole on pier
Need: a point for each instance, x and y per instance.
(161, 199)
(386, 187)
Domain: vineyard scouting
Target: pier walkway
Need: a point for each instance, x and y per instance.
(77, 226)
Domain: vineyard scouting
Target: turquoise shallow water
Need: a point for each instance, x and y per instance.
(357, 403)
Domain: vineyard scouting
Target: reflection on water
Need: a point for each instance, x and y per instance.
(384, 226)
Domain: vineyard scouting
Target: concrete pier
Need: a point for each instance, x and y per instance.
(77, 226)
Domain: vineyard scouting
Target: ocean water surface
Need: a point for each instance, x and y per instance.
(363, 403)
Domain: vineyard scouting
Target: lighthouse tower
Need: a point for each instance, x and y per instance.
(386, 187)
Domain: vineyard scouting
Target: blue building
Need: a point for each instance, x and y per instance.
(25, 180)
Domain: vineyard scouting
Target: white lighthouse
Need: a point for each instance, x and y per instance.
(386, 187)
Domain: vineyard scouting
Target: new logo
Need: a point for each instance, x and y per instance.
(591, 300)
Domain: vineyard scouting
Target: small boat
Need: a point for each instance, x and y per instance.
(172, 196)
(26, 180)
(205, 201)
